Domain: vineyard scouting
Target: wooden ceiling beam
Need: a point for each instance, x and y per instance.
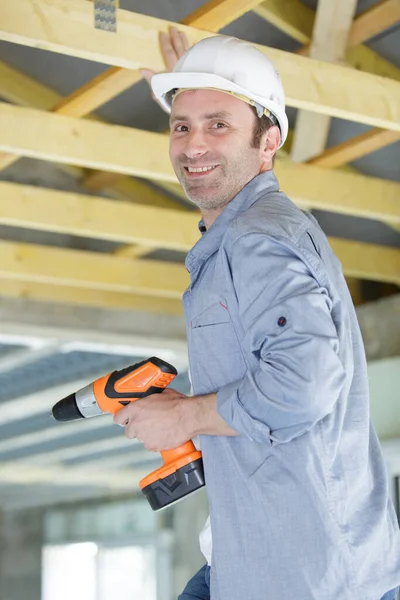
(64, 139)
(212, 16)
(91, 270)
(67, 213)
(383, 262)
(354, 148)
(32, 263)
(67, 27)
(332, 24)
(77, 296)
(374, 20)
(296, 20)
(217, 14)
(22, 90)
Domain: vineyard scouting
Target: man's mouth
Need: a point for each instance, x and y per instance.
(200, 171)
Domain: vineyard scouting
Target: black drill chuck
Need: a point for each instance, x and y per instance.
(67, 409)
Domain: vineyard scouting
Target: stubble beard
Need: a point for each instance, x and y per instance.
(213, 196)
(220, 190)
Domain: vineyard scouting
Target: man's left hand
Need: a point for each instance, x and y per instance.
(159, 421)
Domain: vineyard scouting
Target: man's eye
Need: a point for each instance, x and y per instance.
(218, 125)
(181, 128)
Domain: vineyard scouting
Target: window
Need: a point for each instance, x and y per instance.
(89, 571)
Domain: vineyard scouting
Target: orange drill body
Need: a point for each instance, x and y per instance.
(182, 471)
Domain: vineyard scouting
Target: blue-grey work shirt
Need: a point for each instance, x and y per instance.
(299, 500)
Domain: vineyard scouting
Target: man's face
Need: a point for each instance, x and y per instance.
(210, 146)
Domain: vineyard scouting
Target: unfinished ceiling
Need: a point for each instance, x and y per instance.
(94, 227)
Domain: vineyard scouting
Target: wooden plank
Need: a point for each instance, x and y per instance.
(22, 90)
(139, 192)
(67, 213)
(18, 88)
(97, 92)
(296, 20)
(132, 251)
(329, 41)
(307, 185)
(383, 262)
(339, 191)
(354, 148)
(355, 290)
(363, 58)
(66, 27)
(98, 180)
(292, 17)
(48, 292)
(45, 136)
(212, 16)
(31, 263)
(91, 270)
(217, 14)
(374, 20)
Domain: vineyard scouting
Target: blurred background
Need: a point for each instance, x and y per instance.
(94, 230)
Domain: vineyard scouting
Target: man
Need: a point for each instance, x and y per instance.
(296, 482)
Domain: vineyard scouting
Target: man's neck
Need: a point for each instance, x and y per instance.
(210, 216)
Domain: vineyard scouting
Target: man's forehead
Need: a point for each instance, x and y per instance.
(205, 104)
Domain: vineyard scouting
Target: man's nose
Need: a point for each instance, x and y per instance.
(195, 144)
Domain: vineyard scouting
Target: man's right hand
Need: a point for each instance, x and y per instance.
(173, 45)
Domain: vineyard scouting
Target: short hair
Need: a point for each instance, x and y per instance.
(261, 126)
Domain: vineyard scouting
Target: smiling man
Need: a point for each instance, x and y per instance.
(215, 154)
(298, 492)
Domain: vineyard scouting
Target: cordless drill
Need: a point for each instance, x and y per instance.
(182, 472)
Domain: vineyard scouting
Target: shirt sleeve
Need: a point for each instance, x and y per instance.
(292, 338)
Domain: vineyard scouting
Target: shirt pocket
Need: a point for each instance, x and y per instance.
(215, 349)
(215, 314)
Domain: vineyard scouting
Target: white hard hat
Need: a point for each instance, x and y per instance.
(230, 65)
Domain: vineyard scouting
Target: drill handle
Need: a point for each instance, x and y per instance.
(119, 388)
(170, 456)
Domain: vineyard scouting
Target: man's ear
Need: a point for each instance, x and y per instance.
(269, 144)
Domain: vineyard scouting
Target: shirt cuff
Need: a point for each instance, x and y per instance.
(231, 409)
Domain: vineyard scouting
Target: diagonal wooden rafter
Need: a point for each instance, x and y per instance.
(329, 40)
(320, 87)
(217, 14)
(358, 146)
(296, 20)
(374, 20)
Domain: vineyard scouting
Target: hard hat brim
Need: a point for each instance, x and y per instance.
(162, 85)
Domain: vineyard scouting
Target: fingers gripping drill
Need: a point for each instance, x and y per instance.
(182, 472)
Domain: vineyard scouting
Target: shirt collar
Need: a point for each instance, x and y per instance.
(211, 238)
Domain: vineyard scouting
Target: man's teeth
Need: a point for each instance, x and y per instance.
(200, 169)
